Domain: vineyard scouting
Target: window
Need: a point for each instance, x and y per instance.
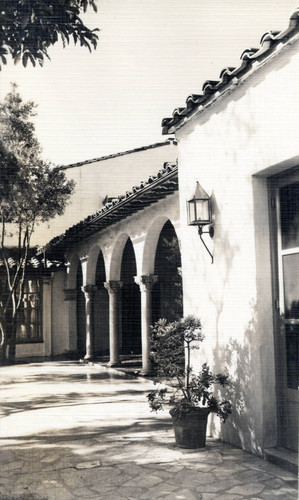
(289, 220)
(29, 327)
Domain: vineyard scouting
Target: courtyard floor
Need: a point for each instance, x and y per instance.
(71, 431)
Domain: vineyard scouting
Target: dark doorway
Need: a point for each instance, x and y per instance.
(131, 307)
(167, 295)
(101, 311)
(285, 190)
(81, 315)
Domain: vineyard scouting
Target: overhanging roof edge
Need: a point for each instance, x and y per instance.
(92, 223)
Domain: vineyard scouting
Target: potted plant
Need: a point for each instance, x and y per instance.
(191, 396)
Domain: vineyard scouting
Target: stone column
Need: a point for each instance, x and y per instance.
(146, 284)
(89, 291)
(113, 288)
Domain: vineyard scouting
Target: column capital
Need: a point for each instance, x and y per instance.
(89, 290)
(146, 282)
(113, 286)
(70, 293)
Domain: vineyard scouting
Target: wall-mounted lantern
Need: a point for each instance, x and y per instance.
(199, 213)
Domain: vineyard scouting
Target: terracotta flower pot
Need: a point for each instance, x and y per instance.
(190, 427)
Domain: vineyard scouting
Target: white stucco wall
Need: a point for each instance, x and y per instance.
(59, 319)
(143, 228)
(55, 321)
(109, 177)
(230, 149)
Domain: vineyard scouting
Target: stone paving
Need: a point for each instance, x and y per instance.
(70, 431)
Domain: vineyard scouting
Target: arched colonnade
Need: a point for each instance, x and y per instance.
(112, 282)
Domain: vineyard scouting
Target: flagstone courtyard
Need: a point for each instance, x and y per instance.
(70, 430)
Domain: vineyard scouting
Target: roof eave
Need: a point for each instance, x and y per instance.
(92, 224)
(239, 76)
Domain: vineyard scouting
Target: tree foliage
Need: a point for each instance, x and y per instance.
(31, 191)
(29, 27)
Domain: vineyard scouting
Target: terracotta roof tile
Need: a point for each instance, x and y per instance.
(36, 262)
(148, 192)
(270, 41)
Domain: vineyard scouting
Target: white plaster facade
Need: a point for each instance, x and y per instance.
(241, 147)
(94, 180)
(233, 147)
(103, 334)
(143, 229)
(107, 176)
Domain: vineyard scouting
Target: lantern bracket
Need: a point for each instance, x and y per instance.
(211, 233)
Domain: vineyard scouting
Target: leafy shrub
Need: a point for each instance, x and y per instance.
(181, 388)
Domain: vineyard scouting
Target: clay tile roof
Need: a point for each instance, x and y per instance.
(150, 191)
(209, 86)
(248, 54)
(35, 262)
(226, 73)
(269, 37)
(212, 88)
(122, 153)
(193, 100)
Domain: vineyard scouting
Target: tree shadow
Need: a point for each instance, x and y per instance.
(61, 378)
(240, 359)
(144, 440)
(68, 399)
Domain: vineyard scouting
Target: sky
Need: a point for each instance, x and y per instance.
(151, 55)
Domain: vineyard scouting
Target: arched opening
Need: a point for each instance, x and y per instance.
(130, 303)
(81, 314)
(167, 295)
(101, 310)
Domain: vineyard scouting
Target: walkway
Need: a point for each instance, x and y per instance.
(71, 431)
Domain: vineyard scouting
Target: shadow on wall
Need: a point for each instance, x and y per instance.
(226, 255)
(240, 358)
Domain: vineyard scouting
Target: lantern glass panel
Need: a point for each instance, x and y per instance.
(192, 214)
(202, 210)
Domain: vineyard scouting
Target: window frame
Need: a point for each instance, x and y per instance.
(38, 324)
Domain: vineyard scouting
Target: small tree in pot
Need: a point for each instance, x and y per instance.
(190, 395)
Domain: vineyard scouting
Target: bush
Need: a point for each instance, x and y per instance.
(181, 388)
